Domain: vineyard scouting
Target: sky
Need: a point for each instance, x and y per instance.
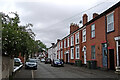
(51, 19)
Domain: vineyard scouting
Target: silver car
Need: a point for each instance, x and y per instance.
(31, 63)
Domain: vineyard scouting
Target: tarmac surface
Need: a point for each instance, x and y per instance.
(68, 71)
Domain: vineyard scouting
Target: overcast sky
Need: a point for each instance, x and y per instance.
(51, 18)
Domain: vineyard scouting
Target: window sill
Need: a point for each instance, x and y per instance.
(110, 31)
(92, 37)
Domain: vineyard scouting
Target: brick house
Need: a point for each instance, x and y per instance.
(98, 39)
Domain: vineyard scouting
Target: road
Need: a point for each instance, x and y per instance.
(68, 71)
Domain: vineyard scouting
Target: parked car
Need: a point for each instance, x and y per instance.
(31, 63)
(42, 59)
(47, 60)
(17, 62)
(57, 62)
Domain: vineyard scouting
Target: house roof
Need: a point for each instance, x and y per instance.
(97, 17)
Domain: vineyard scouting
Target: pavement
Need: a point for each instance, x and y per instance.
(68, 71)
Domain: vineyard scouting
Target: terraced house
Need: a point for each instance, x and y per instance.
(98, 39)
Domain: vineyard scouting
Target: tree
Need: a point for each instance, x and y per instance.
(18, 38)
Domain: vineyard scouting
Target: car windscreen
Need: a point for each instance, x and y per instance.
(57, 60)
(32, 60)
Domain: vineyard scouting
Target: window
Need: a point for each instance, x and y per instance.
(77, 52)
(93, 52)
(92, 30)
(72, 40)
(72, 53)
(61, 54)
(84, 35)
(61, 44)
(77, 38)
(65, 43)
(110, 22)
(68, 42)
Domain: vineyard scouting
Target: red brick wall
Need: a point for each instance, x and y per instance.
(112, 35)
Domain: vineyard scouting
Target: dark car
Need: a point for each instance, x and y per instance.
(47, 60)
(31, 63)
(57, 62)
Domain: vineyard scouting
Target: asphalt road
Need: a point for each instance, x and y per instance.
(68, 71)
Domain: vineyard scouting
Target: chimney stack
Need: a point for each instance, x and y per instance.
(95, 15)
(58, 40)
(53, 44)
(85, 19)
(73, 27)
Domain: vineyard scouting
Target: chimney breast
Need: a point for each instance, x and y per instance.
(95, 15)
(73, 27)
(85, 19)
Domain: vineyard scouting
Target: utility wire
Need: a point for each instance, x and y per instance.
(80, 13)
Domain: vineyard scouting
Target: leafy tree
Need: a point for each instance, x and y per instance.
(17, 38)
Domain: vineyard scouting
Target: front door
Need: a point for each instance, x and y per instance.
(119, 54)
(111, 59)
(66, 58)
(85, 57)
(104, 54)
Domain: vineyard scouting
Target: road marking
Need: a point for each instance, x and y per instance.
(32, 75)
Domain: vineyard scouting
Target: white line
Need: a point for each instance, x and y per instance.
(32, 75)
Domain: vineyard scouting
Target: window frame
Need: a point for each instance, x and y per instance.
(61, 54)
(84, 35)
(108, 23)
(93, 56)
(92, 31)
(64, 43)
(77, 38)
(61, 45)
(77, 54)
(72, 40)
(68, 40)
(72, 54)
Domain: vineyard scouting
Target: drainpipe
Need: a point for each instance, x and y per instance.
(106, 38)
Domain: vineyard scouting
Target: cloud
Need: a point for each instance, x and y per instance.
(51, 18)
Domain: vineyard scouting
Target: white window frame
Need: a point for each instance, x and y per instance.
(77, 54)
(84, 35)
(92, 30)
(109, 22)
(61, 44)
(64, 43)
(61, 54)
(68, 40)
(77, 38)
(72, 53)
(72, 40)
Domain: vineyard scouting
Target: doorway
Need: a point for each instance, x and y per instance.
(111, 59)
(84, 51)
(66, 58)
(119, 54)
(104, 55)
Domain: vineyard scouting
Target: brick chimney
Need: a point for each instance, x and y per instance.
(85, 19)
(95, 15)
(58, 40)
(53, 44)
(73, 27)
